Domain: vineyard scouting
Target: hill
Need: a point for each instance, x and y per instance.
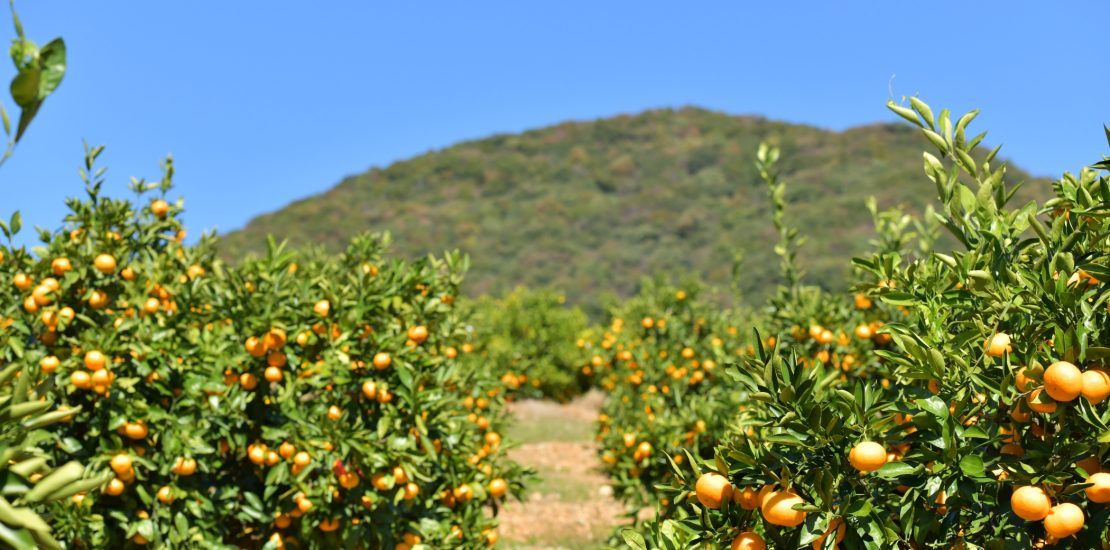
(589, 206)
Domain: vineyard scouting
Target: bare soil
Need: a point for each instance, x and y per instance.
(570, 506)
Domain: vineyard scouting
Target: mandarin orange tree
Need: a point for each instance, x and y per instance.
(992, 430)
(528, 336)
(297, 400)
(658, 360)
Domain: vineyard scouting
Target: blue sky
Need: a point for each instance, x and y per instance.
(262, 103)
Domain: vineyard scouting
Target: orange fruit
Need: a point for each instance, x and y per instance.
(1030, 503)
(272, 374)
(184, 466)
(747, 498)
(1090, 465)
(248, 381)
(114, 488)
(120, 463)
(1096, 386)
(322, 308)
(382, 361)
(713, 489)
(498, 487)
(778, 509)
(302, 459)
(286, 450)
(1063, 520)
(369, 389)
(1022, 381)
(1063, 381)
(1100, 490)
(165, 494)
(136, 430)
(49, 364)
(867, 456)
(748, 540)
(256, 454)
(159, 208)
(80, 379)
(1036, 406)
(837, 524)
(94, 360)
(105, 263)
(418, 333)
(22, 281)
(998, 345)
(60, 266)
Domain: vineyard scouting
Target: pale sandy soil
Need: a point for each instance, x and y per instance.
(570, 506)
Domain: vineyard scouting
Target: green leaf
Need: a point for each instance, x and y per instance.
(972, 466)
(633, 538)
(934, 406)
(892, 470)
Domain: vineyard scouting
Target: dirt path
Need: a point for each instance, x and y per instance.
(570, 506)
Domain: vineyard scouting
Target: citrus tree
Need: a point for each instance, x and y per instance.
(297, 399)
(991, 427)
(658, 360)
(529, 336)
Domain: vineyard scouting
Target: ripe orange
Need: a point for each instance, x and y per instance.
(302, 459)
(463, 493)
(418, 334)
(114, 487)
(713, 489)
(778, 509)
(49, 364)
(1063, 381)
(1064, 520)
(748, 540)
(1100, 490)
(60, 266)
(411, 491)
(256, 454)
(121, 463)
(322, 308)
(105, 263)
(165, 494)
(136, 430)
(334, 412)
(22, 281)
(94, 360)
(498, 487)
(747, 498)
(382, 361)
(867, 456)
(159, 208)
(80, 379)
(837, 524)
(998, 345)
(272, 374)
(184, 466)
(1030, 503)
(1022, 380)
(369, 389)
(1090, 465)
(1096, 386)
(1035, 406)
(248, 381)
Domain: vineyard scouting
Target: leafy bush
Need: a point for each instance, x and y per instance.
(303, 399)
(529, 337)
(989, 429)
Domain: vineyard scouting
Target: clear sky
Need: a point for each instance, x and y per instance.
(262, 103)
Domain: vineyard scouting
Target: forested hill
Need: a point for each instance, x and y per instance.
(588, 207)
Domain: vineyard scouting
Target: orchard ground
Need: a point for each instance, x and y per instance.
(570, 505)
